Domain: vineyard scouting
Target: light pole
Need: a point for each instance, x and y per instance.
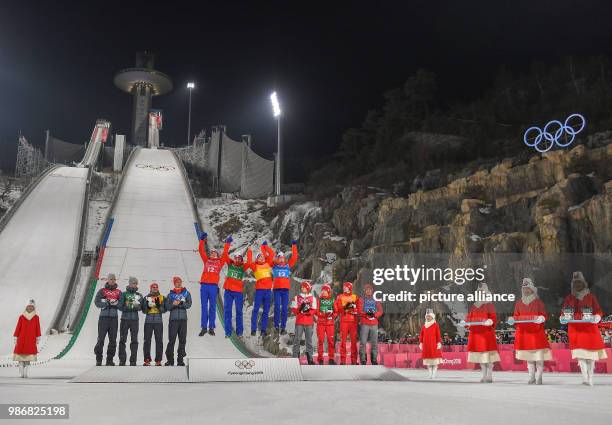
(190, 87)
(277, 114)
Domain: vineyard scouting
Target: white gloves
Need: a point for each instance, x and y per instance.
(439, 346)
(540, 319)
(113, 302)
(488, 322)
(421, 346)
(596, 318)
(103, 300)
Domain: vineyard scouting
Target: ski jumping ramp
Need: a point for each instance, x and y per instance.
(40, 244)
(38, 248)
(153, 237)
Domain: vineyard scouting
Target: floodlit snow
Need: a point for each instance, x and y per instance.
(38, 248)
(455, 397)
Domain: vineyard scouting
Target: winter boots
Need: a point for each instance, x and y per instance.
(203, 332)
(539, 372)
(309, 359)
(587, 367)
(432, 370)
(211, 331)
(331, 362)
(23, 369)
(487, 372)
(531, 368)
(147, 362)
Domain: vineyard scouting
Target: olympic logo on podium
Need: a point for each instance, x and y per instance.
(244, 364)
(555, 132)
(155, 167)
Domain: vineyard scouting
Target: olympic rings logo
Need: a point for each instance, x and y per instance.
(155, 167)
(244, 364)
(555, 132)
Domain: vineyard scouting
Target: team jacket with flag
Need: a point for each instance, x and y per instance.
(584, 336)
(430, 337)
(482, 338)
(262, 272)
(326, 313)
(350, 315)
(282, 273)
(530, 336)
(212, 266)
(370, 304)
(307, 318)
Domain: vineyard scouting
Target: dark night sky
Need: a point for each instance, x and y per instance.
(329, 62)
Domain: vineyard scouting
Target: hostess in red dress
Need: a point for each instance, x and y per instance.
(26, 332)
(430, 337)
(482, 344)
(530, 340)
(584, 337)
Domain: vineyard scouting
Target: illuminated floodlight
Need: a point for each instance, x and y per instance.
(190, 85)
(275, 105)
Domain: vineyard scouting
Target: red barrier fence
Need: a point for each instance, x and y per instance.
(455, 357)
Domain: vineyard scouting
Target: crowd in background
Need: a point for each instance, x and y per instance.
(503, 337)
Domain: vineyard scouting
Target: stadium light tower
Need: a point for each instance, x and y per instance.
(190, 87)
(277, 114)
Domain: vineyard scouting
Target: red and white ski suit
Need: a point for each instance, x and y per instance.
(349, 319)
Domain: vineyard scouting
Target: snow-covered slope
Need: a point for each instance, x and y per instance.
(38, 248)
(153, 238)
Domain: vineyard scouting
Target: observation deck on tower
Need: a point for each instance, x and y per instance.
(142, 82)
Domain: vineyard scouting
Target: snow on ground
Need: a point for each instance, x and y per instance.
(455, 397)
(96, 219)
(9, 194)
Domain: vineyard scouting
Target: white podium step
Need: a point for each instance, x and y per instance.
(121, 374)
(244, 370)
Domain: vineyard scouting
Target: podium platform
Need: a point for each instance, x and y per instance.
(201, 370)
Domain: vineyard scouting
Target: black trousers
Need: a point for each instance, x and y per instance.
(149, 330)
(176, 328)
(130, 326)
(106, 325)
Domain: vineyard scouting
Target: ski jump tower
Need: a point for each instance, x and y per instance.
(142, 82)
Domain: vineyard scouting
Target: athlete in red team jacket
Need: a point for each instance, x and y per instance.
(209, 283)
(348, 306)
(326, 318)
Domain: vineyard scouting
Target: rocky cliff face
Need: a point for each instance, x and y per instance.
(544, 213)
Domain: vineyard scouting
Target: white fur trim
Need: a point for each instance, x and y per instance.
(24, 357)
(534, 355)
(432, 362)
(29, 315)
(483, 357)
(582, 354)
(581, 294)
